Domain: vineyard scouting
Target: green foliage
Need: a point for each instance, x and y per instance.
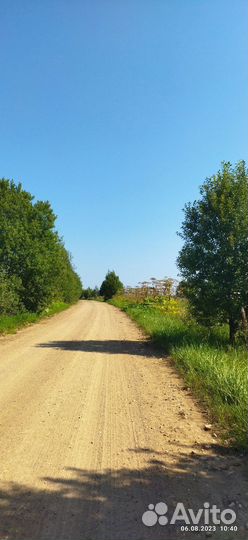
(90, 294)
(214, 258)
(68, 286)
(10, 287)
(216, 372)
(10, 323)
(164, 304)
(111, 285)
(36, 269)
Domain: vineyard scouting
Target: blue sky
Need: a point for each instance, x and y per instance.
(116, 111)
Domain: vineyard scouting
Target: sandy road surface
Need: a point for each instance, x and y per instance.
(94, 427)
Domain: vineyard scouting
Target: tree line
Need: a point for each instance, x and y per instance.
(35, 267)
(110, 286)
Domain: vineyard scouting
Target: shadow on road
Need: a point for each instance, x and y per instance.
(108, 505)
(110, 346)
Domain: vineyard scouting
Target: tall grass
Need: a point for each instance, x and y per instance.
(216, 372)
(9, 324)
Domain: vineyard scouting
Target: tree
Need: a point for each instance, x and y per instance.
(90, 294)
(111, 285)
(214, 258)
(35, 268)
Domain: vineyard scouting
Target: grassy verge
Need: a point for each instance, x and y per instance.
(216, 372)
(9, 324)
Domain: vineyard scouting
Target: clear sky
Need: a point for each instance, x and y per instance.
(116, 111)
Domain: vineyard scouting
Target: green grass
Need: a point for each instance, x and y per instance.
(9, 324)
(216, 372)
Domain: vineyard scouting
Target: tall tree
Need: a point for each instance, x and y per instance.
(214, 257)
(35, 267)
(111, 285)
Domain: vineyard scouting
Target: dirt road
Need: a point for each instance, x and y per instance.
(95, 427)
